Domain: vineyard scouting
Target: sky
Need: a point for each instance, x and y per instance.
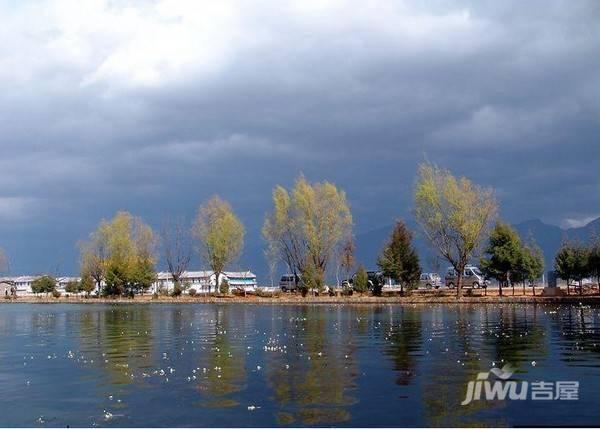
(154, 106)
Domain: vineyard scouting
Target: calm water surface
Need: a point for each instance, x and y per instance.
(246, 365)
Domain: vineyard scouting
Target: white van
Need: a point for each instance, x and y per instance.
(472, 277)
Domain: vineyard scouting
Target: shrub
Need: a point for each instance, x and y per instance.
(56, 294)
(361, 280)
(87, 285)
(177, 290)
(72, 287)
(312, 279)
(224, 287)
(44, 284)
(346, 291)
(192, 292)
(268, 294)
(240, 292)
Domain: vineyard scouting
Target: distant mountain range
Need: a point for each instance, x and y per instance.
(369, 244)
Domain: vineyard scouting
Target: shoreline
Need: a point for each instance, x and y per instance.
(316, 300)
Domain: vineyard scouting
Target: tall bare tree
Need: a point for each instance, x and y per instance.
(347, 261)
(220, 234)
(455, 215)
(176, 246)
(94, 255)
(283, 234)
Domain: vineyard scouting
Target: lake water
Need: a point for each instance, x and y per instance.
(284, 365)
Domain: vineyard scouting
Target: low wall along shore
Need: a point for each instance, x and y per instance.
(448, 297)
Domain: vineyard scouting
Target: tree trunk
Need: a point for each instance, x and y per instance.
(533, 288)
(524, 288)
(580, 287)
(459, 283)
(568, 290)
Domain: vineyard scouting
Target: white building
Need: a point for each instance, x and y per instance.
(61, 282)
(200, 281)
(22, 284)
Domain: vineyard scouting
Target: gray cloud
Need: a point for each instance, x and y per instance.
(154, 106)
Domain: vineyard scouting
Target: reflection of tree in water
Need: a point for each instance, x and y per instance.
(224, 362)
(445, 383)
(119, 341)
(403, 341)
(574, 329)
(514, 335)
(479, 336)
(314, 387)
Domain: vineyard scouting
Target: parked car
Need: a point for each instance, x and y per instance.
(375, 278)
(289, 282)
(430, 280)
(585, 283)
(472, 278)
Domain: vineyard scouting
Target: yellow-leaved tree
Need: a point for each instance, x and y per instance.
(455, 215)
(307, 228)
(121, 253)
(220, 235)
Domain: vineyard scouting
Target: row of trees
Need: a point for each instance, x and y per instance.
(576, 261)
(47, 284)
(509, 261)
(310, 231)
(121, 254)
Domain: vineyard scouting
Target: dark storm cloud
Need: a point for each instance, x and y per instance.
(154, 107)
